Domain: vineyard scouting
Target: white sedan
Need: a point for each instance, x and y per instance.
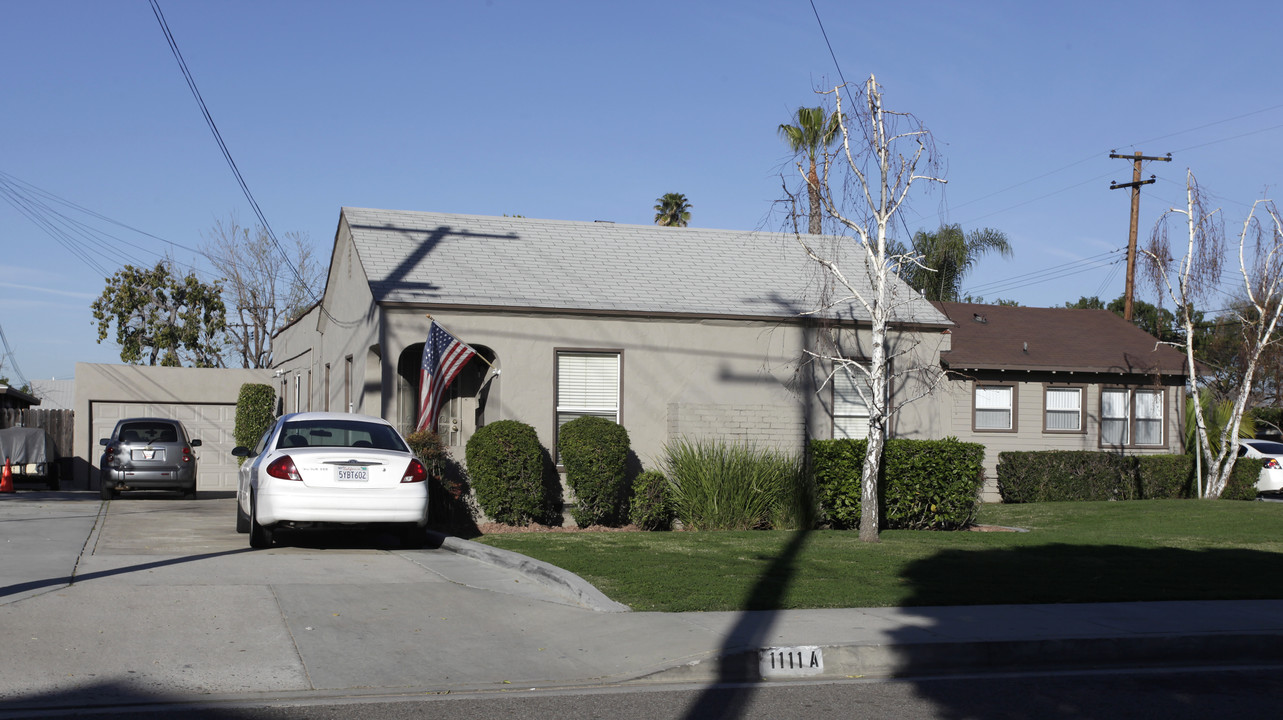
(1271, 479)
(317, 468)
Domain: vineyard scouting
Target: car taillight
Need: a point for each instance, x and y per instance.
(415, 472)
(283, 468)
(110, 452)
(187, 454)
(1272, 464)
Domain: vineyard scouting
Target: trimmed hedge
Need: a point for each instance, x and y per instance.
(254, 414)
(1062, 475)
(926, 484)
(651, 507)
(505, 462)
(594, 452)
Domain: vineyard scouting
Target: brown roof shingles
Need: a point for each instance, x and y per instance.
(994, 337)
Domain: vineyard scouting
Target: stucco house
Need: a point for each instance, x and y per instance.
(1058, 379)
(672, 332)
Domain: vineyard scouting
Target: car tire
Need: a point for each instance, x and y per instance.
(106, 490)
(260, 536)
(411, 536)
(242, 517)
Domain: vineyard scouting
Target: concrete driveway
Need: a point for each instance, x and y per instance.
(168, 601)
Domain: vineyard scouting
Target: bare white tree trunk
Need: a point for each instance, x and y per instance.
(880, 176)
(1198, 271)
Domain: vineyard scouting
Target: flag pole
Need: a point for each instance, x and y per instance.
(476, 354)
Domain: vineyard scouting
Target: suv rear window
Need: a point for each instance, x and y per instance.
(148, 432)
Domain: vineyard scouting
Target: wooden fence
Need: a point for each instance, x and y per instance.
(57, 423)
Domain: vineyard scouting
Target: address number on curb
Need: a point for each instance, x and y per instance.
(791, 661)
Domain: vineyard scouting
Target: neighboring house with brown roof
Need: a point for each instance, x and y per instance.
(1058, 379)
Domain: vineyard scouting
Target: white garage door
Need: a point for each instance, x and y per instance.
(212, 424)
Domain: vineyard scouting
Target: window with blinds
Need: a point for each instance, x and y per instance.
(850, 407)
(994, 407)
(1115, 417)
(1149, 417)
(587, 384)
(1064, 408)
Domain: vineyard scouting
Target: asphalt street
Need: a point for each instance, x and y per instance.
(152, 599)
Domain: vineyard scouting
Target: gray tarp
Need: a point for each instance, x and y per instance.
(26, 446)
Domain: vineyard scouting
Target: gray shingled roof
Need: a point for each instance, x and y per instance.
(471, 260)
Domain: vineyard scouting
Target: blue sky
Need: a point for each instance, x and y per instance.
(591, 110)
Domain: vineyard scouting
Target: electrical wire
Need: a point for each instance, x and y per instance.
(227, 155)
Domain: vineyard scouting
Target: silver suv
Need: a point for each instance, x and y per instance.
(147, 454)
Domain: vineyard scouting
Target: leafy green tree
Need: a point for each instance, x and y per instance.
(1086, 303)
(672, 210)
(815, 131)
(161, 318)
(1157, 321)
(946, 256)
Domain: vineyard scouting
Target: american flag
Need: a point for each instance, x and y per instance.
(443, 357)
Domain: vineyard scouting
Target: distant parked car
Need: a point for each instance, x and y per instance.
(317, 468)
(147, 454)
(1271, 479)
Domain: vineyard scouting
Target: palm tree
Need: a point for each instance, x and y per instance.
(813, 132)
(946, 256)
(672, 210)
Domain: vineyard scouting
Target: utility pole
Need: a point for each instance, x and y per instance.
(1135, 184)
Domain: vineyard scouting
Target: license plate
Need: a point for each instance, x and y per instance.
(354, 474)
(149, 454)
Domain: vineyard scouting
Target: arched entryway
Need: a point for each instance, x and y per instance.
(463, 409)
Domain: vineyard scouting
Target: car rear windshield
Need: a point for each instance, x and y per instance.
(148, 432)
(340, 433)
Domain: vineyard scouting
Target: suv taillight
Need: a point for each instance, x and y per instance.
(283, 468)
(415, 472)
(187, 454)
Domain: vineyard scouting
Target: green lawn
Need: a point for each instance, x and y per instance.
(1073, 552)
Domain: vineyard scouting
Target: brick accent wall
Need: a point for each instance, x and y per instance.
(763, 426)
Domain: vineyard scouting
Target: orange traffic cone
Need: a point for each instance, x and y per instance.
(6, 478)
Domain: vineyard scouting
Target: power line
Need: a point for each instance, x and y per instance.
(1093, 262)
(82, 240)
(227, 155)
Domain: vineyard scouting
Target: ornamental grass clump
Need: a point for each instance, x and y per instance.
(720, 486)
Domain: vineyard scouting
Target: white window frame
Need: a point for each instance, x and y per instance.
(985, 397)
(1061, 409)
(1138, 410)
(1133, 409)
(1126, 417)
(850, 410)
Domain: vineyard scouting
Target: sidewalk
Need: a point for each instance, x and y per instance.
(170, 605)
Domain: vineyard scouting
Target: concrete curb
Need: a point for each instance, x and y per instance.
(967, 657)
(563, 582)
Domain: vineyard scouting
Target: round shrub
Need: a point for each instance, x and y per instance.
(449, 493)
(594, 452)
(651, 507)
(505, 463)
(254, 414)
